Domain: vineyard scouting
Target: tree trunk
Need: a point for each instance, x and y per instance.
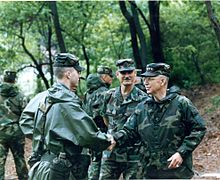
(50, 55)
(38, 66)
(194, 58)
(214, 21)
(133, 33)
(55, 16)
(141, 36)
(154, 11)
(87, 60)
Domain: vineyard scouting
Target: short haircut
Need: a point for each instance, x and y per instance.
(165, 77)
(59, 71)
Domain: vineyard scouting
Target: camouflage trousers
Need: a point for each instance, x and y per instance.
(114, 170)
(94, 170)
(12, 138)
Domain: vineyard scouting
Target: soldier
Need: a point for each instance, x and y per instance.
(106, 75)
(12, 102)
(119, 103)
(60, 126)
(97, 84)
(169, 126)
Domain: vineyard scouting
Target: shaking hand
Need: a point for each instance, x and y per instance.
(113, 142)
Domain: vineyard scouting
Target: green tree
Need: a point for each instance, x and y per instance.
(23, 30)
(214, 21)
(98, 33)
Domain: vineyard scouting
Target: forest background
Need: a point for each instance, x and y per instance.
(184, 34)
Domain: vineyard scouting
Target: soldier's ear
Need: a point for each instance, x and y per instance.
(68, 74)
(163, 81)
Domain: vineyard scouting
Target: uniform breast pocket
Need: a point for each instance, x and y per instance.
(114, 111)
(129, 111)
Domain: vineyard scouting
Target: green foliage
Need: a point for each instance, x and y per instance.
(215, 101)
(99, 26)
(40, 87)
(104, 34)
(13, 14)
(187, 33)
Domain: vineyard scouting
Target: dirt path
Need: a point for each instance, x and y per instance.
(10, 173)
(207, 154)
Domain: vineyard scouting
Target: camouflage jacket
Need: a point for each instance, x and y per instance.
(166, 127)
(67, 127)
(12, 102)
(116, 111)
(93, 95)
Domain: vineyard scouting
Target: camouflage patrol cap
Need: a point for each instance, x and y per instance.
(155, 69)
(93, 81)
(9, 76)
(105, 70)
(67, 60)
(125, 65)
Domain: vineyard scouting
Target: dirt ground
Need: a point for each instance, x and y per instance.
(207, 154)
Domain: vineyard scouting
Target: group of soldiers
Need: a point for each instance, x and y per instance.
(125, 132)
(12, 103)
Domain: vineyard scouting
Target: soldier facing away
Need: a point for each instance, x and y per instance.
(97, 84)
(119, 103)
(12, 102)
(168, 125)
(60, 127)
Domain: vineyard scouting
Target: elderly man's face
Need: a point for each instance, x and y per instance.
(153, 84)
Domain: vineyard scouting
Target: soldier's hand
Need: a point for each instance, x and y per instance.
(113, 142)
(111, 147)
(175, 161)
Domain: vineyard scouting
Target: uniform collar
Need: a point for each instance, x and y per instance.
(133, 96)
(170, 96)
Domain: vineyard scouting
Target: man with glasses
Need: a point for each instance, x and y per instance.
(168, 125)
(119, 103)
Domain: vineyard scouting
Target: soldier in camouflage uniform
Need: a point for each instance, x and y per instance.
(12, 102)
(119, 104)
(97, 84)
(60, 127)
(169, 126)
(106, 75)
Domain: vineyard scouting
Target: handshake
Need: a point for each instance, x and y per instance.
(113, 142)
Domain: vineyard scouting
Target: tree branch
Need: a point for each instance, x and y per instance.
(32, 20)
